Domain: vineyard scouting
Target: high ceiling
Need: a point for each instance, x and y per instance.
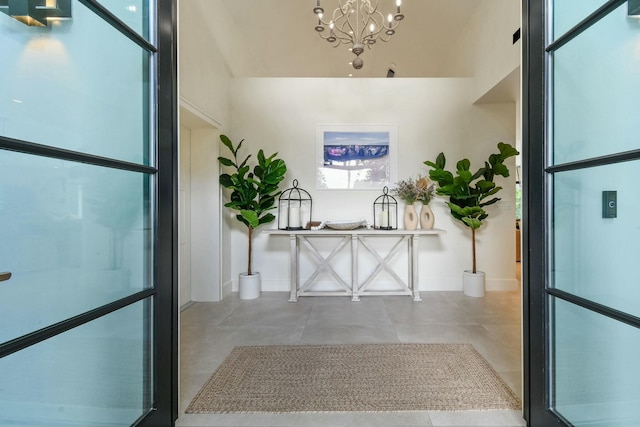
(280, 38)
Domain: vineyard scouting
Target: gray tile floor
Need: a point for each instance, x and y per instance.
(210, 330)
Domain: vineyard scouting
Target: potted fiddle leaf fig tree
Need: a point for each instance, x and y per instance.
(253, 195)
(469, 193)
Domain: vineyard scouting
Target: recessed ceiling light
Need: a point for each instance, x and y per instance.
(350, 75)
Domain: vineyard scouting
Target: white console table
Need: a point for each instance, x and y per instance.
(357, 238)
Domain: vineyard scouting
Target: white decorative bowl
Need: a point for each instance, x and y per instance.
(350, 224)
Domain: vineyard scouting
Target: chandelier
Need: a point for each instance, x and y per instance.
(358, 23)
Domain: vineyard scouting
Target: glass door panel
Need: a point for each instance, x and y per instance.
(591, 298)
(592, 255)
(95, 375)
(81, 85)
(567, 13)
(596, 86)
(596, 370)
(86, 218)
(133, 13)
(74, 237)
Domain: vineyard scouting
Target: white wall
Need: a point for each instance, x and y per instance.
(428, 113)
(485, 45)
(432, 115)
(203, 72)
(204, 79)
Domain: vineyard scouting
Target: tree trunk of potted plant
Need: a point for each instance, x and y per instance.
(473, 281)
(250, 283)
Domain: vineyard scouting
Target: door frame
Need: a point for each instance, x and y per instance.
(533, 214)
(165, 326)
(537, 192)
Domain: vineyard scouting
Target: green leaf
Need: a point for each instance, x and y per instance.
(226, 162)
(501, 169)
(258, 171)
(261, 159)
(472, 222)
(490, 193)
(472, 211)
(463, 165)
(267, 202)
(488, 172)
(429, 163)
(267, 219)
(442, 177)
(225, 180)
(243, 220)
(464, 176)
(506, 150)
(243, 170)
(251, 217)
(441, 161)
(271, 157)
(478, 174)
(490, 202)
(244, 162)
(447, 190)
(485, 186)
(227, 142)
(235, 153)
(275, 172)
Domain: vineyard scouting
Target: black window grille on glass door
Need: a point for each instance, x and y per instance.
(582, 87)
(86, 213)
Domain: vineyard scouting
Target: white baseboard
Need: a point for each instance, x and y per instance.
(502, 285)
(442, 285)
(227, 289)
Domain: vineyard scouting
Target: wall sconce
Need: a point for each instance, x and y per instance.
(36, 12)
(634, 8)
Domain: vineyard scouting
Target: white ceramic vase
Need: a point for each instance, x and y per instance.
(427, 220)
(410, 217)
(249, 286)
(473, 283)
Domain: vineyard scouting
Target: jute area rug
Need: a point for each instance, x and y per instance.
(363, 378)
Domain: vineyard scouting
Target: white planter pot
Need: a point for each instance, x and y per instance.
(473, 283)
(249, 286)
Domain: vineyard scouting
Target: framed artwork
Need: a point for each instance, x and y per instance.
(356, 157)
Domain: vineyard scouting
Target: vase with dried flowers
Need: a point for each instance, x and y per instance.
(426, 192)
(411, 191)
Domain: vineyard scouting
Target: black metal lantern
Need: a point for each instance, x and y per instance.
(385, 212)
(294, 208)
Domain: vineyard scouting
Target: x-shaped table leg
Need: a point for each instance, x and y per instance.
(382, 263)
(324, 262)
